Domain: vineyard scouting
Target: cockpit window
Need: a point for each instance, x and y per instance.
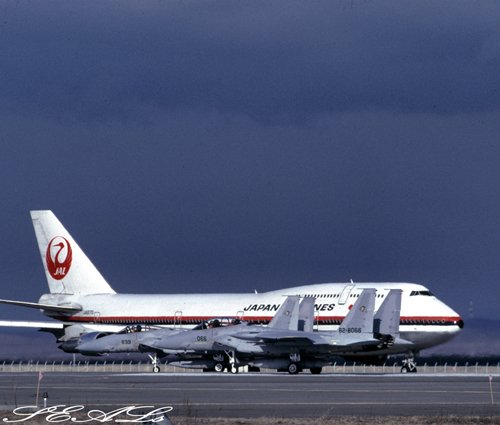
(426, 293)
(218, 323)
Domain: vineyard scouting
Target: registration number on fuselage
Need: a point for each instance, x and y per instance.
(350, 330)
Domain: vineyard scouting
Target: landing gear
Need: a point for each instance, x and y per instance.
(221, 362)
(293, 369)
(316, 370)
(155, 363)
(409, 368)
(409, 365)
(232, 361)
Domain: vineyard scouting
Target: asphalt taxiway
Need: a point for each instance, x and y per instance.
(257, 395)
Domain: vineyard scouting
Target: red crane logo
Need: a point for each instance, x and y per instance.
(58, 257)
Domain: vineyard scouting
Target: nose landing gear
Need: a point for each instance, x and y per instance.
(154, 363)
(232, 361)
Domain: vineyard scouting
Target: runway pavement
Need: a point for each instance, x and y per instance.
(256, 395)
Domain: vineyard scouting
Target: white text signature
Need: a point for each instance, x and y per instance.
(63, 413)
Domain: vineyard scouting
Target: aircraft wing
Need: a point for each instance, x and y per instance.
(314, 341)
(275, 336)
(47, 307)
(26, 324)
(288, 339)
(61, 329)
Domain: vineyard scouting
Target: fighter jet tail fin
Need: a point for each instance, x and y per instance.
(359, 320)
(387, 318)
(287, 316)
(306, 315)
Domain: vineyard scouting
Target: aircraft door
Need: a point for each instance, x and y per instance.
(178, 319)
(240, 314)
(345, 294)
(97, 317)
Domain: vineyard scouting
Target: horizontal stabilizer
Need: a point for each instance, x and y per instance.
(46, 307)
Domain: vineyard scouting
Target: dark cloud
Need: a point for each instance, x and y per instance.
(210, 203)
(227, 145)
(268, 60)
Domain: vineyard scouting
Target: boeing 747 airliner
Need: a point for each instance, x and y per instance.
(79, 294)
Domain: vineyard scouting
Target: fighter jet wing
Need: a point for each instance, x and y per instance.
(268, 336)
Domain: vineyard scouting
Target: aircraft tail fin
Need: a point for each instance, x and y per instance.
(387, 318)
(306, 314)
(287, 316)
(67, 268)
(360, 317)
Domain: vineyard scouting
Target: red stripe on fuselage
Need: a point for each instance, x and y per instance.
(161, 320)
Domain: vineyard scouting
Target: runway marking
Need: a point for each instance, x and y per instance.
(300, 375)
(223, 388)
(256, 375)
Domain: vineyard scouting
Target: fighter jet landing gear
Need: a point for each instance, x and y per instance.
(221, 363)
(293, 368)
(154, 363)
(232, 361)
(409, 365)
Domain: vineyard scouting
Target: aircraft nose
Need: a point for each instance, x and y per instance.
(89, 347)
(453, 318)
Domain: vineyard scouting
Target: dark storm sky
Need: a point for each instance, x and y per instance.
(222, 146)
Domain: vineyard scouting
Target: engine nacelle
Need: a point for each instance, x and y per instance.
(71, 345)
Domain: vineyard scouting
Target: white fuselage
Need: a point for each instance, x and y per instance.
(425, 320)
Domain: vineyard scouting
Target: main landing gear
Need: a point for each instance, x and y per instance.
(409, 365)
(293, 367)
(221, 363)
(155, 363)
